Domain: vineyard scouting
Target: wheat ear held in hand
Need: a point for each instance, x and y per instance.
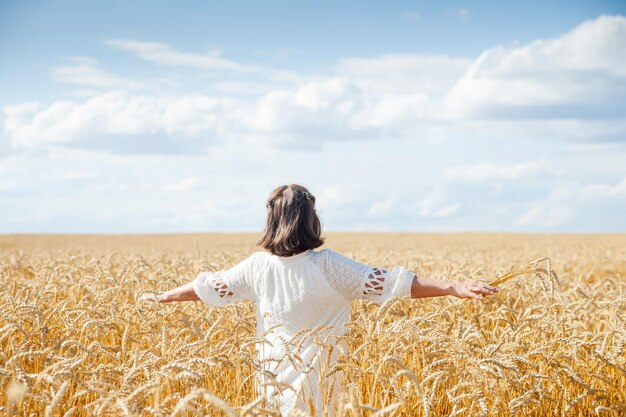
(534, 267)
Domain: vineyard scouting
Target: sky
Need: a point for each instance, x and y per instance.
(162, 117)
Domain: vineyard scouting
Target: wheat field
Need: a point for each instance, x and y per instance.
(74, 341)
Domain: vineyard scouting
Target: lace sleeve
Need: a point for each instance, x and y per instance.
(225, 287)
(354, 280)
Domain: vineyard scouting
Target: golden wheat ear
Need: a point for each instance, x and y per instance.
(535, 267)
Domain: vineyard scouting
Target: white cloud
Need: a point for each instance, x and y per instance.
(115, 113)
(164, 54)
(384, 207)
(85, 92)
(79, 175)
(546, 215)
(186, 184)
(415, 97)
(85, 72)
(434, 204)
(565, 203)
(458, 13)
(318, 110)
(313, 107)
(7, 185)
(580, 74)
(243, 87)
(397, 74)
(331, 197)
(445, 211)
(605, 190)
(491, 172)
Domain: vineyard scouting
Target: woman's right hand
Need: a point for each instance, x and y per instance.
(149, 297)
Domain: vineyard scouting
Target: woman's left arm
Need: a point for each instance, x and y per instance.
(423, 287)
(182, 293)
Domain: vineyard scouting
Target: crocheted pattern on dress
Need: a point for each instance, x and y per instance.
(222, 289)
(375, 283)
(352, 279)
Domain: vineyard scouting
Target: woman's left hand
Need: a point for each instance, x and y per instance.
(473, 289)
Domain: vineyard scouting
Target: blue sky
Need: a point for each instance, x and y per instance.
(402, 116)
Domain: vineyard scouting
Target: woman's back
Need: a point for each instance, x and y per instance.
(305, 294)
(294, 294)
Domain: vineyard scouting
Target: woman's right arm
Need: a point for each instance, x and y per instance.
(218, 288)
(182, 293)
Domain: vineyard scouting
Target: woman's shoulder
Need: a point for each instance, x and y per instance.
(328, 252)
(262, 254)
(259, 256)
(253, 262)
(333, 259)
(324, 255)
(266, 258)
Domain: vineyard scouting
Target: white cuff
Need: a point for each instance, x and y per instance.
(403, 281)
(202, 286)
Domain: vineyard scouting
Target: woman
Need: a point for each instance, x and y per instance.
(303, 300)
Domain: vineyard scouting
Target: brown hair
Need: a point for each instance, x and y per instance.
(292, 224)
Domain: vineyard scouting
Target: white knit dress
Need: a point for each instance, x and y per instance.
(310, 290)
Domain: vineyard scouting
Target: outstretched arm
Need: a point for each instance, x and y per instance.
(423, 287)
(218, 288)
(182, 293)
